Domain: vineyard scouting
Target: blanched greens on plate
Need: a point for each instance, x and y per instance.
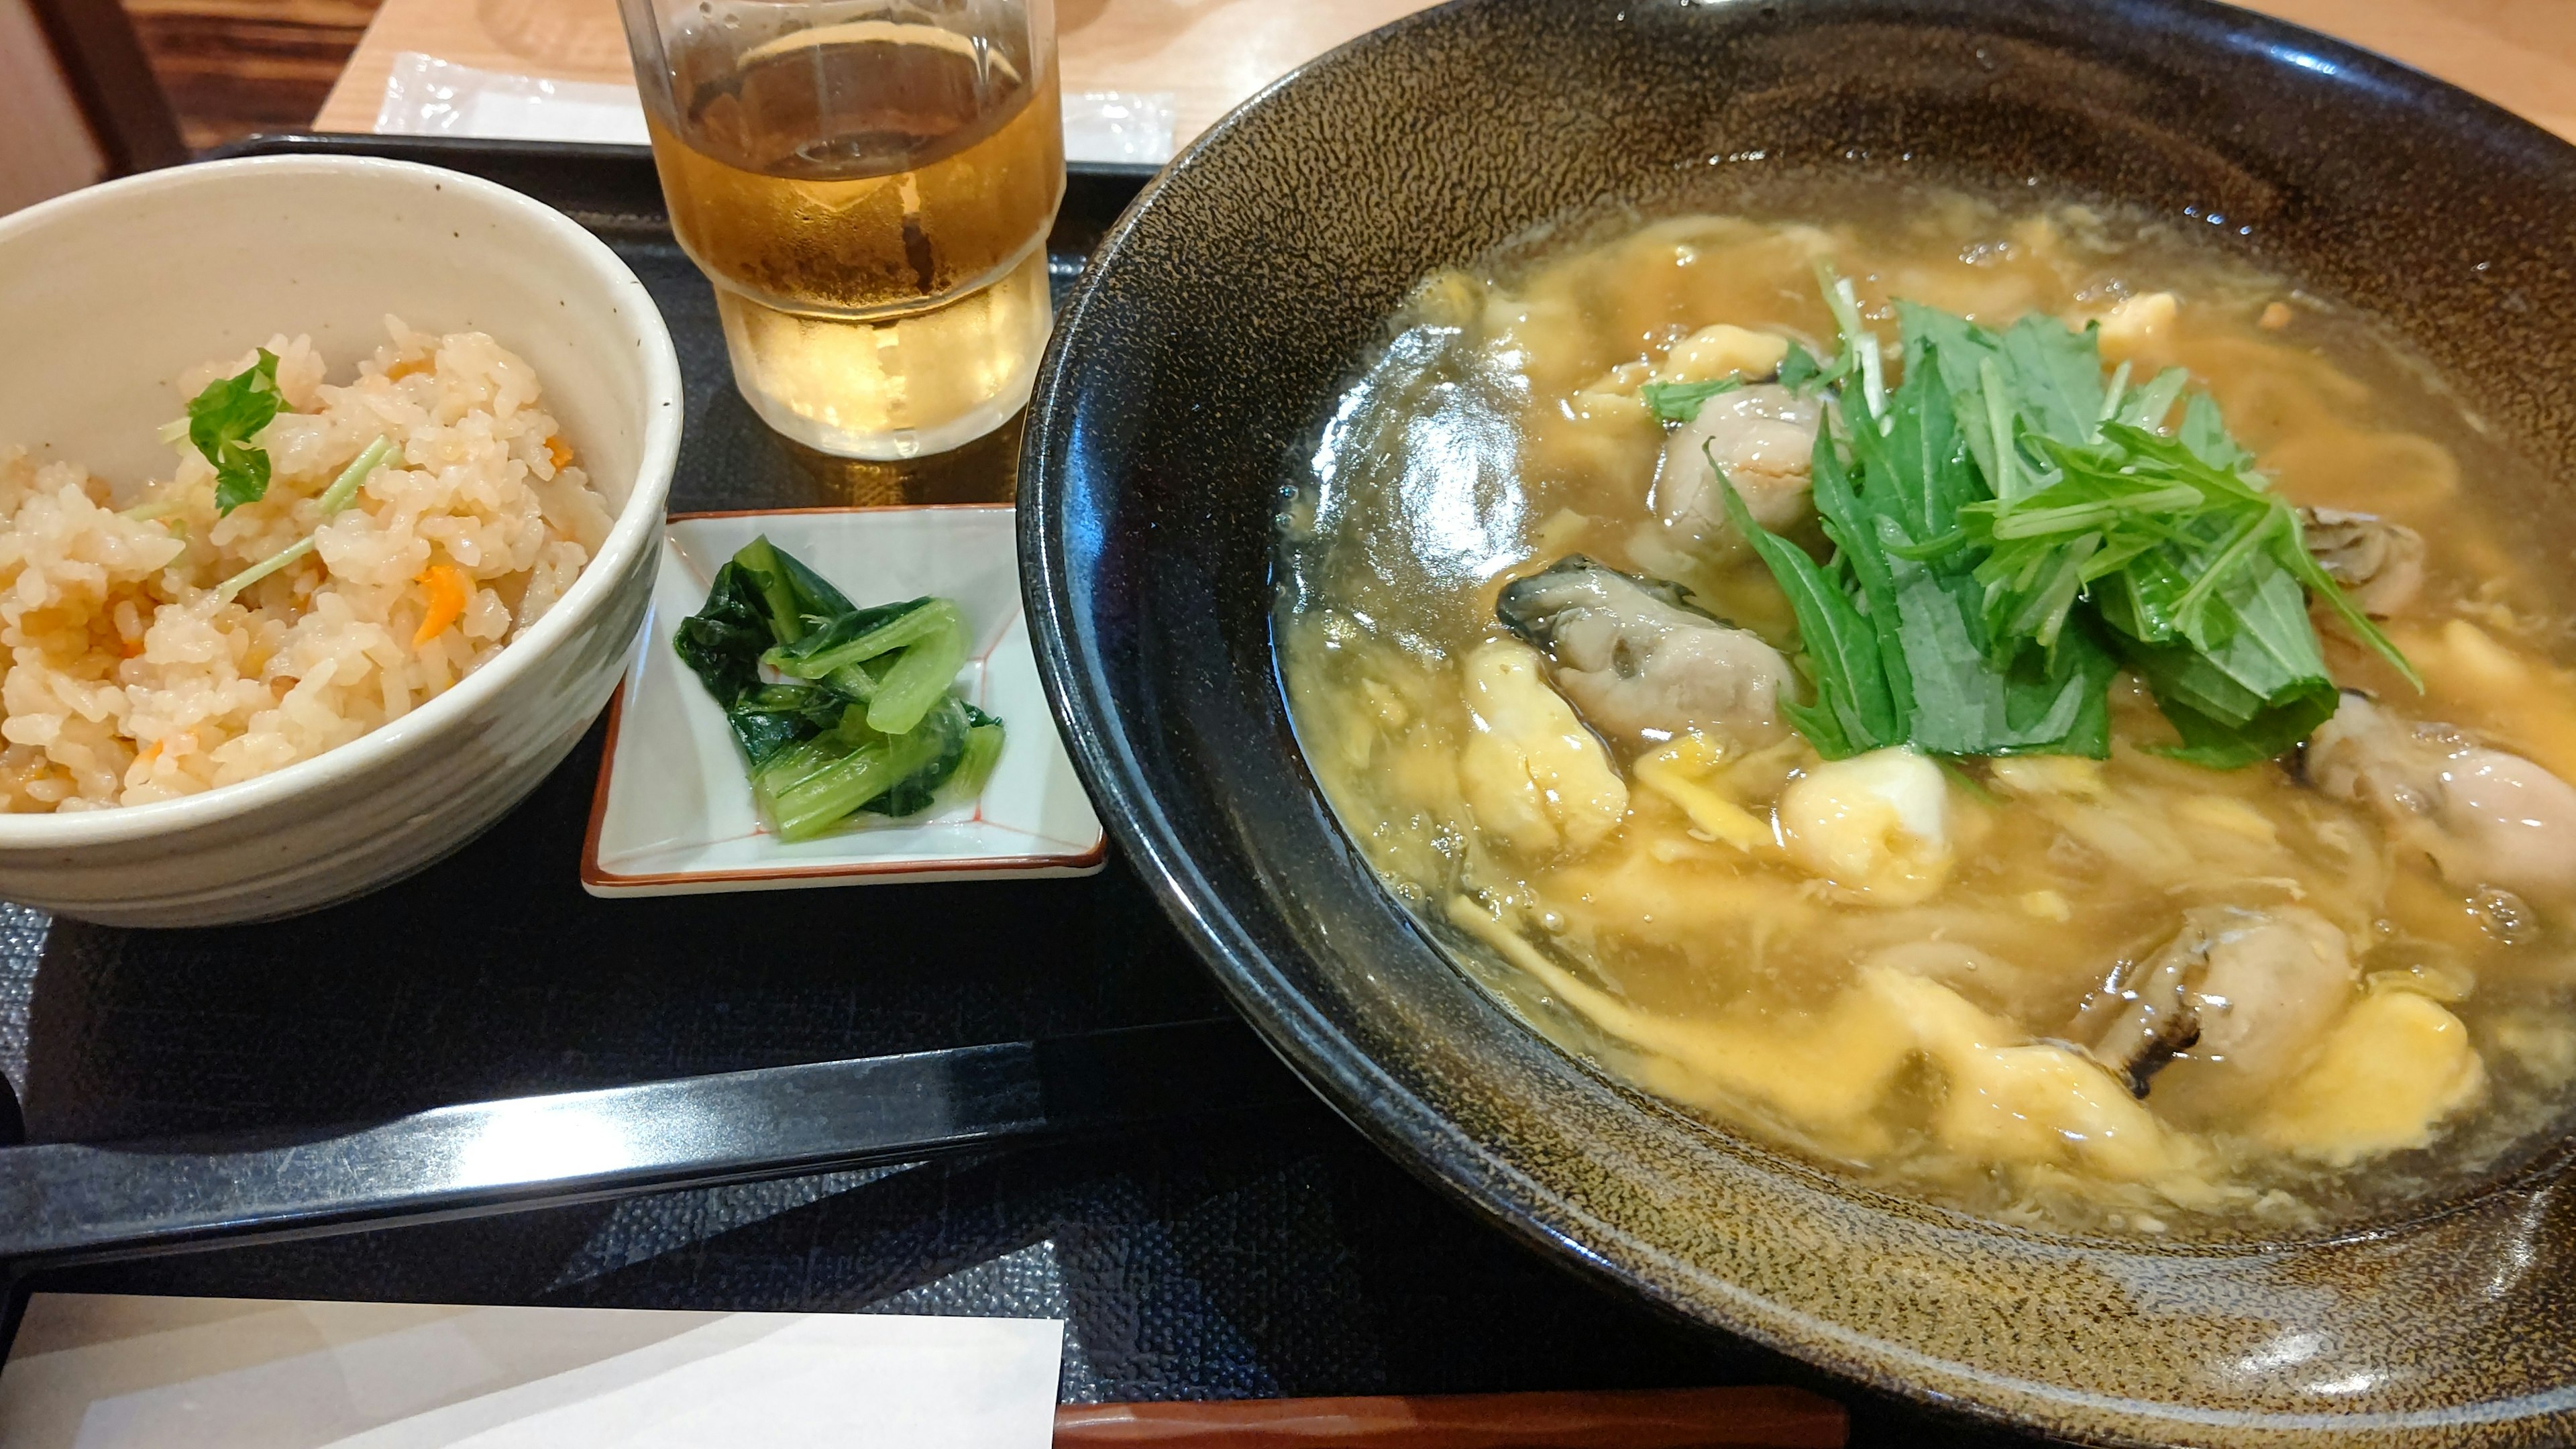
(838, 709)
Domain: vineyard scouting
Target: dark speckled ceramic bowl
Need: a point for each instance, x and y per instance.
(1188, 382)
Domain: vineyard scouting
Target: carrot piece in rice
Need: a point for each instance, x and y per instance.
(448, 596)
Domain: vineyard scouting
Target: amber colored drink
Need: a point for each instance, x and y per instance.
(871, 200)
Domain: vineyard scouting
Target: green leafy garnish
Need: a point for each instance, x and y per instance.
(863, 714)
(223, 419)
(1798, 368)
(1680, 402)
(2010, 529)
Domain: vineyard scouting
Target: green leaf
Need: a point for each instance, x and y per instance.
(909, 767)
(2271, 648)
(2178, 674)
(1818, 722)
(2052, 701)
(2055, 373)
(782, 612)
(984, 740)
(722, 642)
(794, 599)
(1956, 351)
(1680, 402)
(1853, 712)
(860, 635)
(1924, 458)
(224, 417)
(775, 716)
(1798, 369)
(959, 739)
(2146, 407)
(2009, 529)
(2048, 375)
(241, 476)
(1854, 532)
(816, 601)
(2229, 744)
(924, 673)
(2205, 435)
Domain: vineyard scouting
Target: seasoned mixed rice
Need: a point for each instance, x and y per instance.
(129, 679)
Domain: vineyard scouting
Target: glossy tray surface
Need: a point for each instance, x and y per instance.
(491, 974)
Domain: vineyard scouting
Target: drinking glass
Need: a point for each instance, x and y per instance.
(868, 184)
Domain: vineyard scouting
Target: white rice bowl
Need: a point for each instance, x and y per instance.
(130, 678)
(137, 284)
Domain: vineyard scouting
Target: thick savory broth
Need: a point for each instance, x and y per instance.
(2133, 994)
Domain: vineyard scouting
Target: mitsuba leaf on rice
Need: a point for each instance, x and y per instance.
(223, 418)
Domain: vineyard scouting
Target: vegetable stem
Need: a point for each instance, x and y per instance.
(2013, 523)
(2111, 395)
(1873, 381)
(2007, 479)
(344, 489)
(262, 569)
(923, 674)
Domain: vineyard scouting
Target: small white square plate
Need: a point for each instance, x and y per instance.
(673, 812)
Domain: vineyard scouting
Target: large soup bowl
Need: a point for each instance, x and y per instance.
(1191, 376)
(107, 294)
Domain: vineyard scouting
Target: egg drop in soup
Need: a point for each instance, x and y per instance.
(2015, 705)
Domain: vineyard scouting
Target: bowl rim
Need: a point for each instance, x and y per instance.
(637, 523)
(1433, 1147)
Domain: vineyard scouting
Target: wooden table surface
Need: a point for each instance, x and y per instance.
(1210, 54)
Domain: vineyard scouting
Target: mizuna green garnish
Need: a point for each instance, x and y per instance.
(2010, 529)
(223, 419)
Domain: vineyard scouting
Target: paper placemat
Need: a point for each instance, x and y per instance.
(104, 1371)
(426, 96)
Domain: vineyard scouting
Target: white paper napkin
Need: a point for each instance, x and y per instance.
(426, 96)
(95, 1371)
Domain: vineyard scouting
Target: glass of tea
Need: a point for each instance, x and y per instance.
(868, 184)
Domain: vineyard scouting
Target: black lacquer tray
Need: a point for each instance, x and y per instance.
(1001, 1098)
(300, 1076)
